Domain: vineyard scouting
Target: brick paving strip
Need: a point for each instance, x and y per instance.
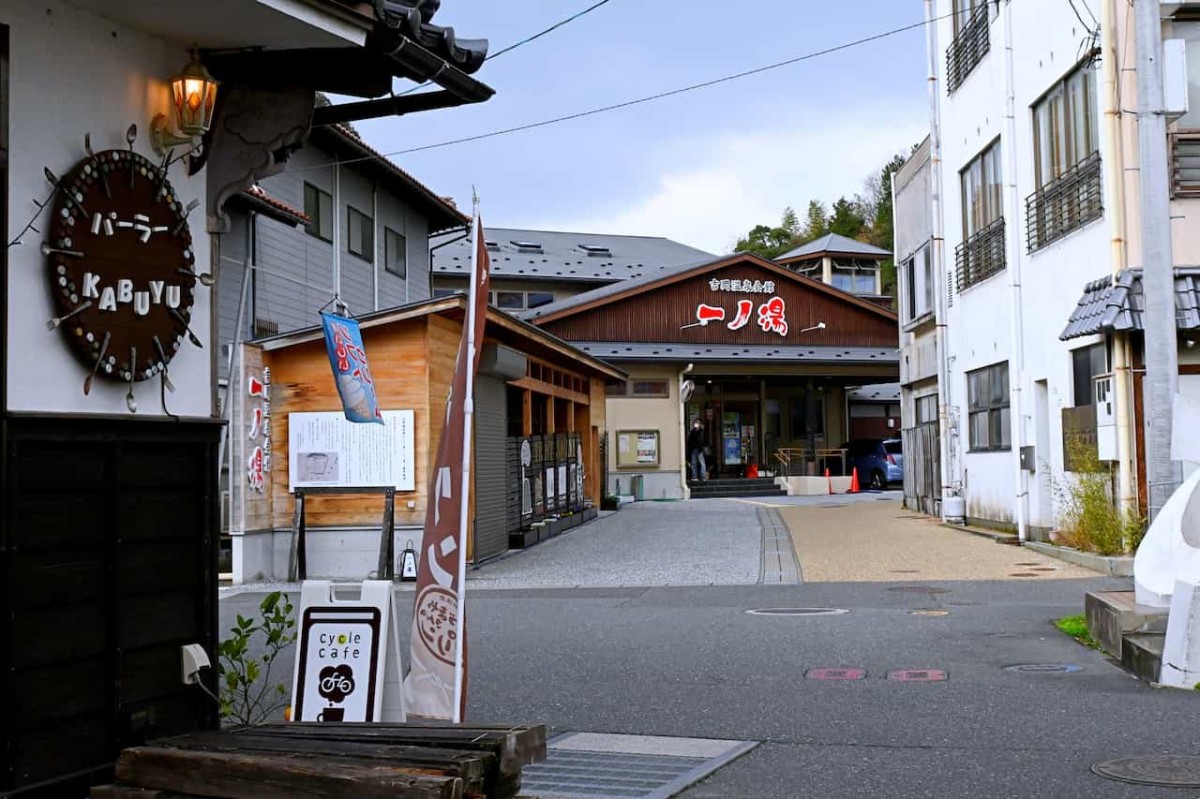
(779, 565)
(880, 541)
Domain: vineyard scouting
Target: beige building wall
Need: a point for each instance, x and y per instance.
(662, 414)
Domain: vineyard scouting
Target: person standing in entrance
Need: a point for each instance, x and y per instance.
(695, 451)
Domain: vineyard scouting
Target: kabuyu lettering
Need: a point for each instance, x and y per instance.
(123, 293)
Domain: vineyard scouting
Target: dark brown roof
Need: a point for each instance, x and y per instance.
(274, 207)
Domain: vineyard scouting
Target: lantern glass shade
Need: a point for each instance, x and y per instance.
(194, 95)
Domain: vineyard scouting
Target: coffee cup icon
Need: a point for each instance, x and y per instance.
(331, 715)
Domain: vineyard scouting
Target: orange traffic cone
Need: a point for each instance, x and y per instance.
(853, 481)
(829, 480)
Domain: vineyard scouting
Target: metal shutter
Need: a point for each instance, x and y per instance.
(490, 468)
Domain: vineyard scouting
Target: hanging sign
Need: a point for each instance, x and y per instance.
(343, 340)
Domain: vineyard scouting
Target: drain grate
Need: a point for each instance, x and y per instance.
(918, 675)
(834, 675)
(1045, 668)
(1168, 771)
(798, 612)
(596, 766)
(601, 775)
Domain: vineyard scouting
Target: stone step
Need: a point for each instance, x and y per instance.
(1114, 614)
(1141, 654)
(724, 493)
(737, 481)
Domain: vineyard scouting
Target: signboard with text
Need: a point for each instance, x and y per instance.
(326, 450)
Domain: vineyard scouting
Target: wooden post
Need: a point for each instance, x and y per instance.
(526, 412)
(549, 415)
(387, 544)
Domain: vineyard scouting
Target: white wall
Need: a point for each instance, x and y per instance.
(72, 73)
(1046, 46)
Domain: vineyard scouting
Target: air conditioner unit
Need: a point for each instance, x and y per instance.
(1106, 417)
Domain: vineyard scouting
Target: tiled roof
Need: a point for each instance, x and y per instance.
(257, 196)
(568, 257)
(617, 351)
(1108, 307)
(834, 243)
(442, 215)
(413, 18)
(883, 392)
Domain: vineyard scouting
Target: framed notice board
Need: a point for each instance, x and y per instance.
(637, 449)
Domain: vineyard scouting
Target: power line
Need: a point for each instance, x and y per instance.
(650, 98)
(526, 40)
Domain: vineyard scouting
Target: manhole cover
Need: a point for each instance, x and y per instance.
(904, 571)
(1045, 668)
(928, 612)
(1022, 574)
(918, 675)
(1169, 771)
(1043, 569)
(918, 589)
(797, 611)
(1028, 563)
(836, 674)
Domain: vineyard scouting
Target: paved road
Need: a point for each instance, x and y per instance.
(689, 661)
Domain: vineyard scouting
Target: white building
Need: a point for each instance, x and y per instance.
(1012, 222)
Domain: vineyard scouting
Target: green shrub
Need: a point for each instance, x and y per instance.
(1090, 520)
(248, 696)
(1076, 627)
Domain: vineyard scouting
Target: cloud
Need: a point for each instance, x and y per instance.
(716, 190)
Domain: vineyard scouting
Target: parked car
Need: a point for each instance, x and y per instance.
(880, 461)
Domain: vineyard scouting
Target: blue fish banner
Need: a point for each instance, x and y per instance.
(343, 341)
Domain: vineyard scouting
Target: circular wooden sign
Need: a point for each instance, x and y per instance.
(121, 265)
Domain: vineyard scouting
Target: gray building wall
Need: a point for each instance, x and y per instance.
(294, 271)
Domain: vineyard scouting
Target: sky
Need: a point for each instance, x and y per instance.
(701, 168)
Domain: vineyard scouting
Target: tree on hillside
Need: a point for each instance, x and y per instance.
(817, 222)
(846, 219)
(771, 242)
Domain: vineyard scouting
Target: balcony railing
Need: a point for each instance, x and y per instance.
(980, 256)
(1185, 164)
(1064, 204)
(968, 48)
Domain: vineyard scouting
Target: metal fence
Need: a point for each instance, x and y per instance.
(980, 256)
(923, 467)
(1064, 204)
(968, 48)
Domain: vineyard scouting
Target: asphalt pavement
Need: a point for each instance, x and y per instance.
(690, 660)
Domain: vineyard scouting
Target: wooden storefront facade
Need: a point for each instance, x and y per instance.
(761, 356)
(531, 388)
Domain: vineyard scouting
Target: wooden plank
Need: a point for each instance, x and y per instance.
(474, 767)
(527, 412)
(233, 776)
(126, 792)
(515, 746)
(551, 390)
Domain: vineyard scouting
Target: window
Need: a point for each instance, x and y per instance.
(510, 300)
(927, 409)
(971, 41)
(855, 277)
(987, 401)
(1066, 160)
(318, 206)
(439, 293)
(981, 253)
(650, 388)
(1086, 363)
(395, 252)
(804, 423)
(639, 388)
(536, 299)
(360, 234)
(919, 285)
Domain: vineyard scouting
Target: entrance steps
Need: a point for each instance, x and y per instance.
(737, 487)
(1131, 633)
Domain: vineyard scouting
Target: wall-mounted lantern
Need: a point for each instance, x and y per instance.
(193, 99)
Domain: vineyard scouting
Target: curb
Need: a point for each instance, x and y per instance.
(999, 538)
(1114, 566)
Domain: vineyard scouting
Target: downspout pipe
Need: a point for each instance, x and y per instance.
(375, 256)
(1012, 244)
(937, 253)
(1114, 185)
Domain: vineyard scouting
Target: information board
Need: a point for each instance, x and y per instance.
(325, 450)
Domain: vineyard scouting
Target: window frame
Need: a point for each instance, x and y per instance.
(1056, 100)
(982, 201)
(661, 388)
(366, 234)
(1090, 352)
(920, 297)
(320, 224)
(388, 235)
(995, 407)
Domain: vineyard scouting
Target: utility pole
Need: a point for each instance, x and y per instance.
(1158, 274)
